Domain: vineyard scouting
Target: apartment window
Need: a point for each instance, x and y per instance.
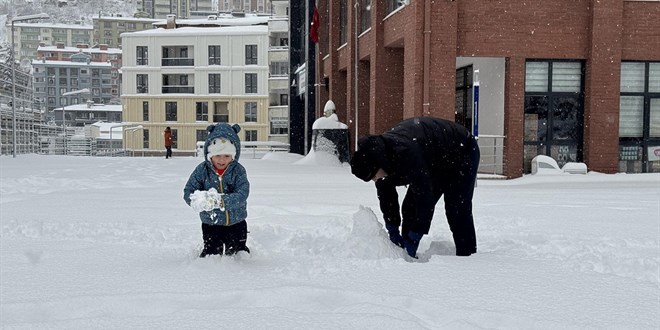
(202, 111)
(365, 15)
(175, 138)
(214, 55)
(142, 82)
(170, 111)
(284, 99)
(177, 83)
(250, 83)
(250, 112)
(214, 83)
(142, 55)
(145, 138)
(251, 135)
(639, 117)
(343, 21)
(145, 111)
(250, 54)
(554, 109)
(220, 112)
(63, 72)
(201, 135)
(279, 68)
(392, 5)
(279, 125)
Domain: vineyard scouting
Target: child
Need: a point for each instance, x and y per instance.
(223, 185)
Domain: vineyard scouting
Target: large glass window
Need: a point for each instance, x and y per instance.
(250, 83)
(251, 135)
(142, 83)
(220, 112)
(250, 112)
(142, 55)
(145, 111)
(343, 22)
(639, 117)
(365, 15)
(202, 111)
(214, 83)
(214, 55)
(145, 138)
(250, 54)
(201, 135)
(553, 111)
(170, 111)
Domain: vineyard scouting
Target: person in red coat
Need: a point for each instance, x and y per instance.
(432, 157)
(168, 142)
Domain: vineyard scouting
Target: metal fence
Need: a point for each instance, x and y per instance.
(492, 154)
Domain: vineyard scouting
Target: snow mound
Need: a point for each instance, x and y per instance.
(319, 158)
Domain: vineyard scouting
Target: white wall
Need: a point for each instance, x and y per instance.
(491, 92)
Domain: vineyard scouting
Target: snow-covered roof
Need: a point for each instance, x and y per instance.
(222, 20)
(104, 130)
(94, 107)
(69, 63)
(128, 19)
(76, 49)
(196, 31)
(55, 26)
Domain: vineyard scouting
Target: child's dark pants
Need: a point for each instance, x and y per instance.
(231, 239)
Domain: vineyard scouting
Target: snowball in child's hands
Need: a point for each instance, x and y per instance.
(203, 200)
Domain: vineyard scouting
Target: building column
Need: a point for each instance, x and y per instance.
(602, 87)
(514, 115)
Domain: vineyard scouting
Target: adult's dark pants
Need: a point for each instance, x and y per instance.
(458, 189)
(458, 202)
(227, 239)
(168, 153)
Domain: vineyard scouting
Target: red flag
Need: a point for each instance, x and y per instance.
(314, 32)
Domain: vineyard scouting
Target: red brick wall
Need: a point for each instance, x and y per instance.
(514, 124)
(641, 26)
(602, 88)
(600, 32)
(532, 29)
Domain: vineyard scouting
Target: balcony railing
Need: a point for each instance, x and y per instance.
(178, 62)
(178, 89)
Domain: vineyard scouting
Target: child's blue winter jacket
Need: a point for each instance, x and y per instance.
(233, 183)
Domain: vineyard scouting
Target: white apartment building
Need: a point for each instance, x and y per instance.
(28, 36)
(278, 80)
(190, 77)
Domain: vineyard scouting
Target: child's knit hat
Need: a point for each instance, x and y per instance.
(221, 146)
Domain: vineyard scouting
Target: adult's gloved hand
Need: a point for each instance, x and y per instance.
(411, 243)
(395, 236)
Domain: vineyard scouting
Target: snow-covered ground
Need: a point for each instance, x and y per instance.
(108, 243)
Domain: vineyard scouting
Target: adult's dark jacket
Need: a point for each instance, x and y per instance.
(431, 156)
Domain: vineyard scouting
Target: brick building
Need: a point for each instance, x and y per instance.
(574, 80)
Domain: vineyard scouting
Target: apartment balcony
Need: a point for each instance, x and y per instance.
(173, 61)
(172, 89)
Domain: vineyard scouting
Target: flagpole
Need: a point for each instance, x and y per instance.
(306, 104)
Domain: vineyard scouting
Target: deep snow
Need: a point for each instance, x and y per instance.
(110, 243)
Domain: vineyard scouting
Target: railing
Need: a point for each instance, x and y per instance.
(262, 147)
(178, 62)
(492, 154)
(178, 89)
